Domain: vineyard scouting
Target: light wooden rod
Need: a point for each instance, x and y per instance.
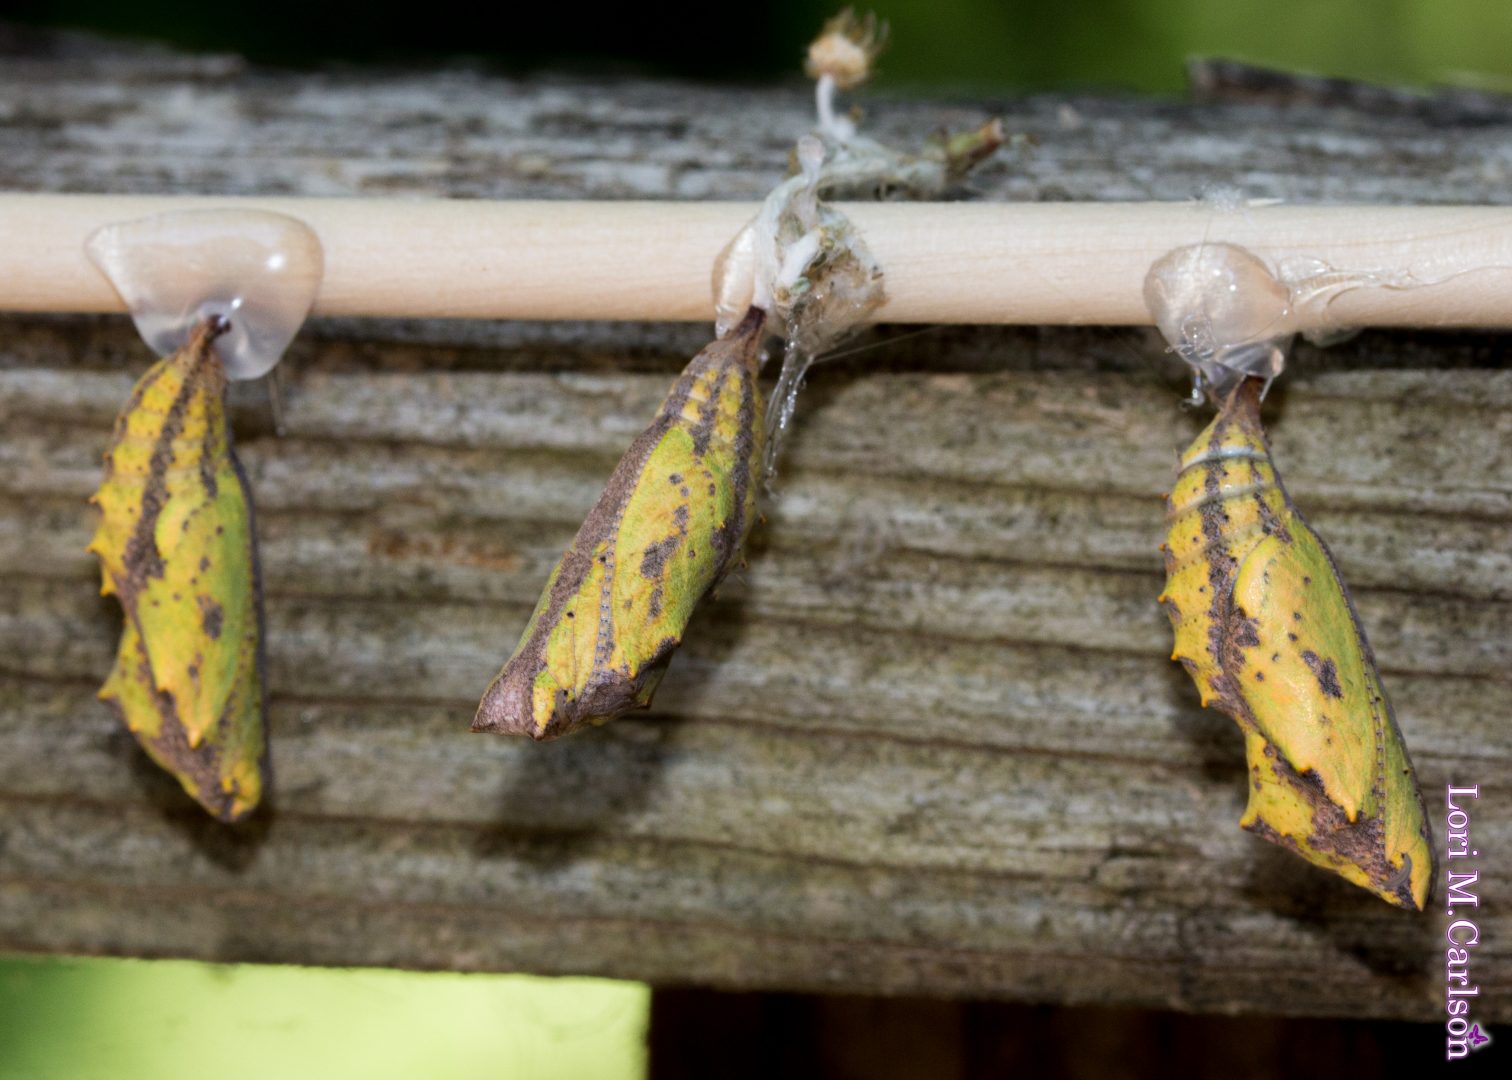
(1027, 263)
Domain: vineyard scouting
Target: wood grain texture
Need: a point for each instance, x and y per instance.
(929, 742)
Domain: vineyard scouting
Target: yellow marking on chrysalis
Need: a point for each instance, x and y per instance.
(176, 546)
(1266, 630)
(666, 530)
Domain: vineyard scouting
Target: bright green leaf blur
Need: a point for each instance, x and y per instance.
(174, 1020)
(984, 44)
(1141, 44)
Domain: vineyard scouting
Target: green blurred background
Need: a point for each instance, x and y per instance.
(124, 1019)
(984, 44)
(174, 1020)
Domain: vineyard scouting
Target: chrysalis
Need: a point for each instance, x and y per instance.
(176, 540)
(176, 545)
(667, 528)
(1265, 628)
(677, 509)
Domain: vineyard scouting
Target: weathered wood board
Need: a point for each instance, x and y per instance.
(930, 742)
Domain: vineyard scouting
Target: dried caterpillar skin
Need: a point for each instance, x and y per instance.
(1264, 627)
(666, 530)
(176, 546)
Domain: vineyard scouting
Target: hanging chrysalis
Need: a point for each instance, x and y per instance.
(219, 294)
(666, 530)
(672, 520)
(1263, 623)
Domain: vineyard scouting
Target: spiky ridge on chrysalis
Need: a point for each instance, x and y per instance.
(665, 531)
(1266, 630)
(176, 546)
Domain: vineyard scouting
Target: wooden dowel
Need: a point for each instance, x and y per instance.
(1038, 263)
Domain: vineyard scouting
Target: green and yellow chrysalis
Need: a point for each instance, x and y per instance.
(1265, 628)
(665, 531)
(177, 548)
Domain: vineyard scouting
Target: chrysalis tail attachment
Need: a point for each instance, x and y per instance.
(800, 258)
(258, 269)
(1224, 313)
